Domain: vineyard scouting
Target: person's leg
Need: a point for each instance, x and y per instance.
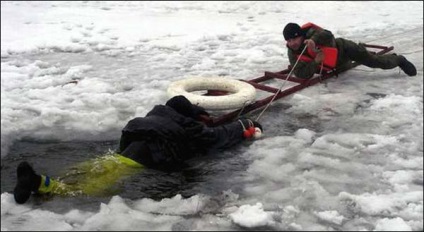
(140, 152)
(94, 177)
(359, 53)
(29, 182)
(98, 177)
(150, 155)
(407, 67)
(125, 141)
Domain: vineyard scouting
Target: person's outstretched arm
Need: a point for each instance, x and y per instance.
(225, 136)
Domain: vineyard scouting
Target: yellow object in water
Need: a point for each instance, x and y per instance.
(95, 177)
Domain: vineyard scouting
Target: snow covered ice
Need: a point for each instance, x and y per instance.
(346, 154)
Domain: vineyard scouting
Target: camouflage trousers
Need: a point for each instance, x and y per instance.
(351, 51)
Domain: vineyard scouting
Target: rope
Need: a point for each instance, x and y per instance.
(290, 73)
(244, 106)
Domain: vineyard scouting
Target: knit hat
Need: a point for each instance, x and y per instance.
(182, 105)
(292, 30)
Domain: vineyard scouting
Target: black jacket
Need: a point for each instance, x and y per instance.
(172, 138)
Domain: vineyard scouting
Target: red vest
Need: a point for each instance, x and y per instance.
(330, 53)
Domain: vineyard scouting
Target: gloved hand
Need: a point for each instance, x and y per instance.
(258, 130)
(249, 126)
(247, 123)
(257, 124)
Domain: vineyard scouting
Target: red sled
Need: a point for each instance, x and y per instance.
(276, 94)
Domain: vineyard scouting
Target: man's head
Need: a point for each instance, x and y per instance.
(183, 106)
(291, 31)
(294, 35)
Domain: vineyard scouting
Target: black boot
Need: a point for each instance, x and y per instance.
(407, 67)
(28, 182)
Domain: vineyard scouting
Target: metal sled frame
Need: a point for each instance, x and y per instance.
(282, 75)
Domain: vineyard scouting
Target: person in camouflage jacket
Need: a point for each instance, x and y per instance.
(313, 36)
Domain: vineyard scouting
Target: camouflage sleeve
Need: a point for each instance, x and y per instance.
(303, 69)
(322, 37)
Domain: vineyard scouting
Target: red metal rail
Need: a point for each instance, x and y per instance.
(282, 75)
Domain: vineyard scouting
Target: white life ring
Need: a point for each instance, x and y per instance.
(241, 93)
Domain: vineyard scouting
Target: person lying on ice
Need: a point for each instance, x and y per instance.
(164, 139)
(329, 53)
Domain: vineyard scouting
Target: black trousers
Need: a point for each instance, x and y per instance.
(150, 156)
